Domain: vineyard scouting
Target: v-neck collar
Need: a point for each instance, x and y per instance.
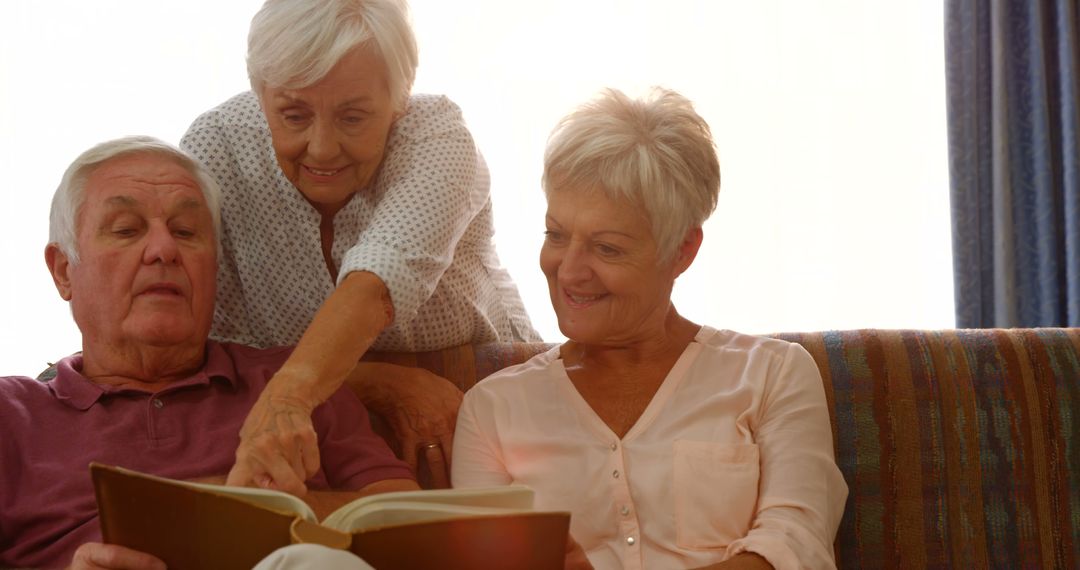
(670, 384)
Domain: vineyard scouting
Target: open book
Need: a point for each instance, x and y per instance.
(196, 525)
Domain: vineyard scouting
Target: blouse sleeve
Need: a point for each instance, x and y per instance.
(801, 492)
(433, 183)
(206, 142)
(477, 462)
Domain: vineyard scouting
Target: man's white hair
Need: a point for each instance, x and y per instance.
(655, 152)
(294, 43)
(71, 194)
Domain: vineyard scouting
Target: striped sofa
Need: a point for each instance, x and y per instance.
(961, 448)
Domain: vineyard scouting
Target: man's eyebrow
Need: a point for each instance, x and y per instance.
(129, 203)
(189, 204)
(121, 202)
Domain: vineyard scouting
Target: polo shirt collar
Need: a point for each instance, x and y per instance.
(75, 390)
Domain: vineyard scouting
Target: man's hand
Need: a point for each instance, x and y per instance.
(278, 445)
(94, 556)
(421, 408)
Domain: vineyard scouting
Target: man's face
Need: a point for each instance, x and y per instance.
(148, 256)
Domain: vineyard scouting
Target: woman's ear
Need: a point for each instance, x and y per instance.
(59, 267)
(687, 251)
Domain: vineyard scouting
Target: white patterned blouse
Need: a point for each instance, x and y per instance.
(425, 228)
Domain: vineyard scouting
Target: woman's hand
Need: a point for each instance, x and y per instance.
(97, 556)
(421, 408)
(575, 556)
(278, 445)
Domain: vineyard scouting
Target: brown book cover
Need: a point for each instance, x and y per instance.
(198, 526)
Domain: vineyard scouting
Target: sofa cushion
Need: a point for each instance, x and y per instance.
(960, 448)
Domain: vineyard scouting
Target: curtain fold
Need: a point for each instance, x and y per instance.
(1013, 92)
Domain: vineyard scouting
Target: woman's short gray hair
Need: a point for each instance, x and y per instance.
(71, 194)
(656, 152)
(295, 43)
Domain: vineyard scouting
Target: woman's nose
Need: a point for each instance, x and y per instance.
(574, 266)
(323, 144)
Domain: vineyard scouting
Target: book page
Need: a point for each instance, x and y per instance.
(399, 513)
(433, 504)
(266, 498)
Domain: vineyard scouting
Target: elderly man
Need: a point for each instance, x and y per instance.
(133, 248)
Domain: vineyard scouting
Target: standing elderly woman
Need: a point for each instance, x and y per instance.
(674, 445)
(356, 217)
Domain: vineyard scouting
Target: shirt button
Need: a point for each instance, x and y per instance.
(630, 540)
(614, 446)
(158, 403)
(625, 510)
(615, 473)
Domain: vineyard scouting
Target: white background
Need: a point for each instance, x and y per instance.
(829, 117)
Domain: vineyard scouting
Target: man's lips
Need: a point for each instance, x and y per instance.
(167, 289)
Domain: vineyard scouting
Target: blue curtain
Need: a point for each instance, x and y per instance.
(1013, 92)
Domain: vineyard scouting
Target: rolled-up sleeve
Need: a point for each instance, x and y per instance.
(801, 492)
(434, 182)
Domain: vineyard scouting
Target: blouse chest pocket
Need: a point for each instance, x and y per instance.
(716, 491)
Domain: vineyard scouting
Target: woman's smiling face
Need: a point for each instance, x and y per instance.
(607, 281)
(330, 137)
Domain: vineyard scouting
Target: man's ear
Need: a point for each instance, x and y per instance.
(59, 267)
(687, 251)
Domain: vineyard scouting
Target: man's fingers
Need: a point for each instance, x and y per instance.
(435, 457)
(446, 441)
(408, 451)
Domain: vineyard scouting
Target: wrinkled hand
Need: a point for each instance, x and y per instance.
(421, 408)
(96, 556)
(278, 445)
(575, 556)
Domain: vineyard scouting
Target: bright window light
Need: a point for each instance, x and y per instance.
(829, 118)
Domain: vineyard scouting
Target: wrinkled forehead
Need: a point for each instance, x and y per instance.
(143, 181)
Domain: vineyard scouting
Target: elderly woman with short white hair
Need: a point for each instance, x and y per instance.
(673, 445)
(356, 216)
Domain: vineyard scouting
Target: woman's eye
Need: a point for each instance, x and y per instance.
(183, 233)
(352, 120)
(606, 250)
(294, 118)
(124, 232)
(552, 236)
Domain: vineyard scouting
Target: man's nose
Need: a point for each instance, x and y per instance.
(160, 245)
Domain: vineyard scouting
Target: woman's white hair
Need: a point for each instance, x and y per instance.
(71, 194)
(655, 152)
(295, 43)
